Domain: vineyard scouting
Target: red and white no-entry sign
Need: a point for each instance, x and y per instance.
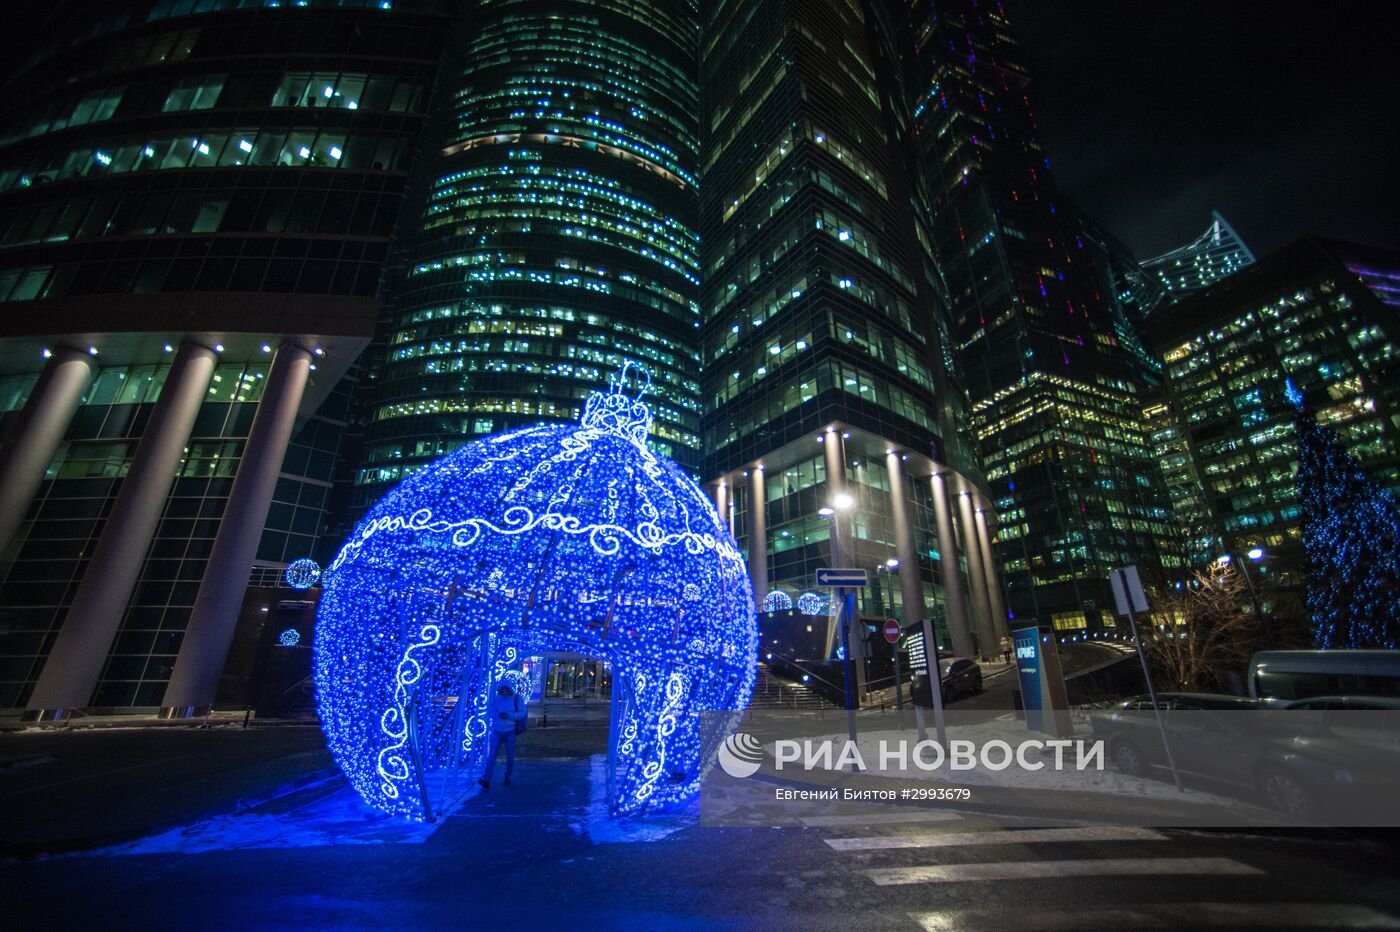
(891, 630)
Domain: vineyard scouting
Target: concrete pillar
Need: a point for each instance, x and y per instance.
(959, 625)
(1000, 627)
(984, 642)
(204, 649)
(843, 552)
(911, 587)
(758, 537)
(37, 433)
(73, 666)
(722, 503)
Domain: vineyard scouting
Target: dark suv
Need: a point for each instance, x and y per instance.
(961, 677)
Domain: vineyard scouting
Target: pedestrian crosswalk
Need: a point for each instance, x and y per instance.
(1020, 837)
(1032, 870)
(1166, 916)
(948, 851)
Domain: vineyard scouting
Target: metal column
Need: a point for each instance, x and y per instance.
(911, 585)
(204, 649)
(32, 443)
(976, 575)
(758, 537)
(70, 674)
(1000, 627)
(959, 627)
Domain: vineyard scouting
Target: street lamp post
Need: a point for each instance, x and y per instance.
(1256, 555)
(843, 502)
(888, 568)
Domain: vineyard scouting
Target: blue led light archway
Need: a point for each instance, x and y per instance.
(569, 537)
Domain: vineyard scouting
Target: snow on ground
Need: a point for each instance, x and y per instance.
(337, 818)
(603, 829)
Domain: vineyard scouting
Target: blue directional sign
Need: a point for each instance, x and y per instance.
(855, 578)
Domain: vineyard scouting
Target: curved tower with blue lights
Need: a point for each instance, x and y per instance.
(555, 234)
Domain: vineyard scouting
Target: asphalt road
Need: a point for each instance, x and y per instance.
(537, 856)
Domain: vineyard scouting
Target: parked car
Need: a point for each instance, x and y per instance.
(1324, 755)
(1303, 674)
(1340, 755)
(961, 677)
(1208, 744)
(1345, 704)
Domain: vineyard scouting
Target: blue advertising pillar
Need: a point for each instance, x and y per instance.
(1042, 682)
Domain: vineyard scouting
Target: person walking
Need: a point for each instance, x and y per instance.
(1006, 650)
(508, 719)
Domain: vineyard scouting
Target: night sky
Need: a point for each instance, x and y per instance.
(1283, 115)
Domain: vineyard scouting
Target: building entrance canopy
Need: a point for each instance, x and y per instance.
(553, 538)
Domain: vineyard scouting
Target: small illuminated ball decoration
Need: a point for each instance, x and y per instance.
(302, 574)
(562, 537)
(289, 638)
(777, 601)
(810, 603)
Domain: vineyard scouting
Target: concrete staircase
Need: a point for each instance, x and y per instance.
(773, 693)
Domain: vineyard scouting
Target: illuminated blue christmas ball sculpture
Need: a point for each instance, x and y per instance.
(567, 537)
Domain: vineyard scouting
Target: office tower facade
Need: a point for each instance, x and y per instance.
(831, 431)
(196, 202)
(1213, 255)
(1054, 390)
(553, 236)
(1319, 315)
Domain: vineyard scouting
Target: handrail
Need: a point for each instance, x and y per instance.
(811, 673)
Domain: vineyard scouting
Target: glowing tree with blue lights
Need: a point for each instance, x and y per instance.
(1351, 535)
(568, 537)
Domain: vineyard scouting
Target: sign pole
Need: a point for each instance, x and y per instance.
(1127, 590)
(892, 632)
(935, 681)
(844, 582)
(841, 593)
(898, 691)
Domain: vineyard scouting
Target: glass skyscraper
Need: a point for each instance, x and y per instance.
(553, 235)
(1319, 314)
(833, 427)
(1054, 387)
(195, 205)
(1213, 255)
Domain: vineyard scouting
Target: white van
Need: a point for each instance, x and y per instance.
(1303, 674)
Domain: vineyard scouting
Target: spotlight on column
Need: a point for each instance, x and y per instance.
(218, 347)
(318, 351)
(92, 351)
(1256, 554)
(47, 352)
(843, 501)
(266, 348)
(169, 348)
